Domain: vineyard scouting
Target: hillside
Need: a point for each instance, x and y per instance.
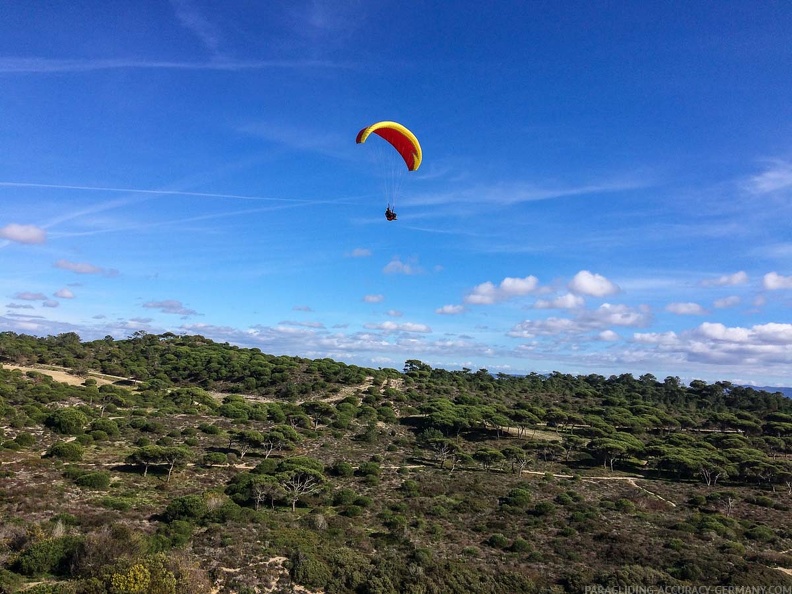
(176, 464)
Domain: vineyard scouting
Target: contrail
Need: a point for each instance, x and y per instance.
(154, 192)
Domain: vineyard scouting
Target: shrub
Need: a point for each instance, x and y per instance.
(363, 501)
(94, 480)
(52, 555)
(410, 488)
(109, 426)
(518, 498)
(210, 429)
(344, 497)
(498, 541)
(352, 511)
(761, 533)
(68, 421)
(341, 468)
(25, 439)
(189, 507)
(520, 545)
(115, 503)
(71, 451)
(544, 508)
(9, 581)
(625, 505)
(214, 459)
(369, 469)
(563, 499)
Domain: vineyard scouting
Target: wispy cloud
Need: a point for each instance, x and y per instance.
(686, 309)
(396, 266)
(196, 22)
(727, 280)
(450, 310)
(84, 268)
(22, 65)
(505, 194)
(171, 306)
(776, 177)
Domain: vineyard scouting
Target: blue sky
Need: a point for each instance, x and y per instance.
(606, 186)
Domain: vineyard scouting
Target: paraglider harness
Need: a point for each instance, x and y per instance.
(389, 214)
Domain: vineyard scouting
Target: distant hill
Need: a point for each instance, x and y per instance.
(772, 389)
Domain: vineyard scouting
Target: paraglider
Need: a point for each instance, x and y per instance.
(406, 145)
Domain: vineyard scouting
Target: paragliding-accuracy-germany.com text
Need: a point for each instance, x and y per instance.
(688, 590)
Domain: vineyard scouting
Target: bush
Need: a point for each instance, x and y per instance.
(68, 421)
(107, 425)
(25, 440)
(352, 511)
(344, 497)
(51, 556)
(410, 488)
(94, 480)
(498, 541)
(369, 469)
(544, 508)
(214, 459)
(520, 545)
(189, 507)
(116, 503)
(761, 533)
(73, 452)
(341, 468)
(625, 505)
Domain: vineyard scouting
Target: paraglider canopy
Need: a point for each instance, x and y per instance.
(400, 137)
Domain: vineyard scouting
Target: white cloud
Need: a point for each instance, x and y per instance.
(19, 306)
(64, 293)
(730, 301)
(686, 309)
(305, 308)
(28, 296)
(487, 293)
(394, 313)
(396, 266)
(773, 281)
(450, 310)
(609, 336)
(302, 324)
(170, 306)
(29, 234)
(84, 268)
(374, 298)
(390, 327)
(727, 280)
(594, 285)
(51, 303)
(360, 253)
(763, 346)
(585, 322)
(568, 301)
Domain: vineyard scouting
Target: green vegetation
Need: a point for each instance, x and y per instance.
(205, 464)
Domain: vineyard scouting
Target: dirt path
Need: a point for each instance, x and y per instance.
(61, 374)
(629, 479)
